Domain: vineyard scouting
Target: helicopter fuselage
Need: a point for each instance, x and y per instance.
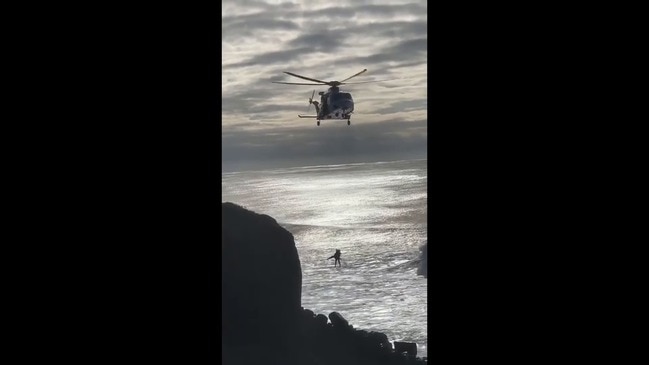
(335, 105)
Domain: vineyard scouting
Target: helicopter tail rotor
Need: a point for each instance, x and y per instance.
(310, 101)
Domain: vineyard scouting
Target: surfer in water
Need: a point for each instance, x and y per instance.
(336, 256)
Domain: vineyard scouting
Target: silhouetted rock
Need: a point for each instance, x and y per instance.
(262, 279)
(308, 313)
(338, 343)
(423, 263)
(408, 347)
(338, 321)
(321, 320)
(262, 320)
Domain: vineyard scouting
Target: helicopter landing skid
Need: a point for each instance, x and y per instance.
(318, 120)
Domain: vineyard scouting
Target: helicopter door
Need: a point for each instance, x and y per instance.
(341, 105)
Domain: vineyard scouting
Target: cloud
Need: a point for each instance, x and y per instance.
(326, 41)
(402, 105)
(241, 27)
(332, 142)
(275, 57)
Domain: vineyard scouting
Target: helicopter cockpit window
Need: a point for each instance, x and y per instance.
(340, 97)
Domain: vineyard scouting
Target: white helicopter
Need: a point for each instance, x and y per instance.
(333, 104)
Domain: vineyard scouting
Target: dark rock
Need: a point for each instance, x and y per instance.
(378, 337)
(423, 263)
(408, 347)
(261, 281)
(381, 341)
(308, 314)
(321, 319)
(338, 321)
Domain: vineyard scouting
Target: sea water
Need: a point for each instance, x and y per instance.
(375, 214)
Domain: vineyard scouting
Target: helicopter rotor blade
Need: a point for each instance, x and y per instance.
(353, 76)
(365, 82)
(305, 78)
(294, 83)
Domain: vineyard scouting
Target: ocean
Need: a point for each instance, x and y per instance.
(375, 214)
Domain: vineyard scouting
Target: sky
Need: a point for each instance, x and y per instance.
(325, 40)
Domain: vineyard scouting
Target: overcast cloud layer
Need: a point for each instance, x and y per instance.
(329, 40)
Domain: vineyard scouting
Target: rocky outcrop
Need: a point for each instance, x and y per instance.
(261, 282)
(339, 343)
(262, 319)
(423, 263)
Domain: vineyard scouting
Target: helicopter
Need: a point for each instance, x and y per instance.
(333, 104)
